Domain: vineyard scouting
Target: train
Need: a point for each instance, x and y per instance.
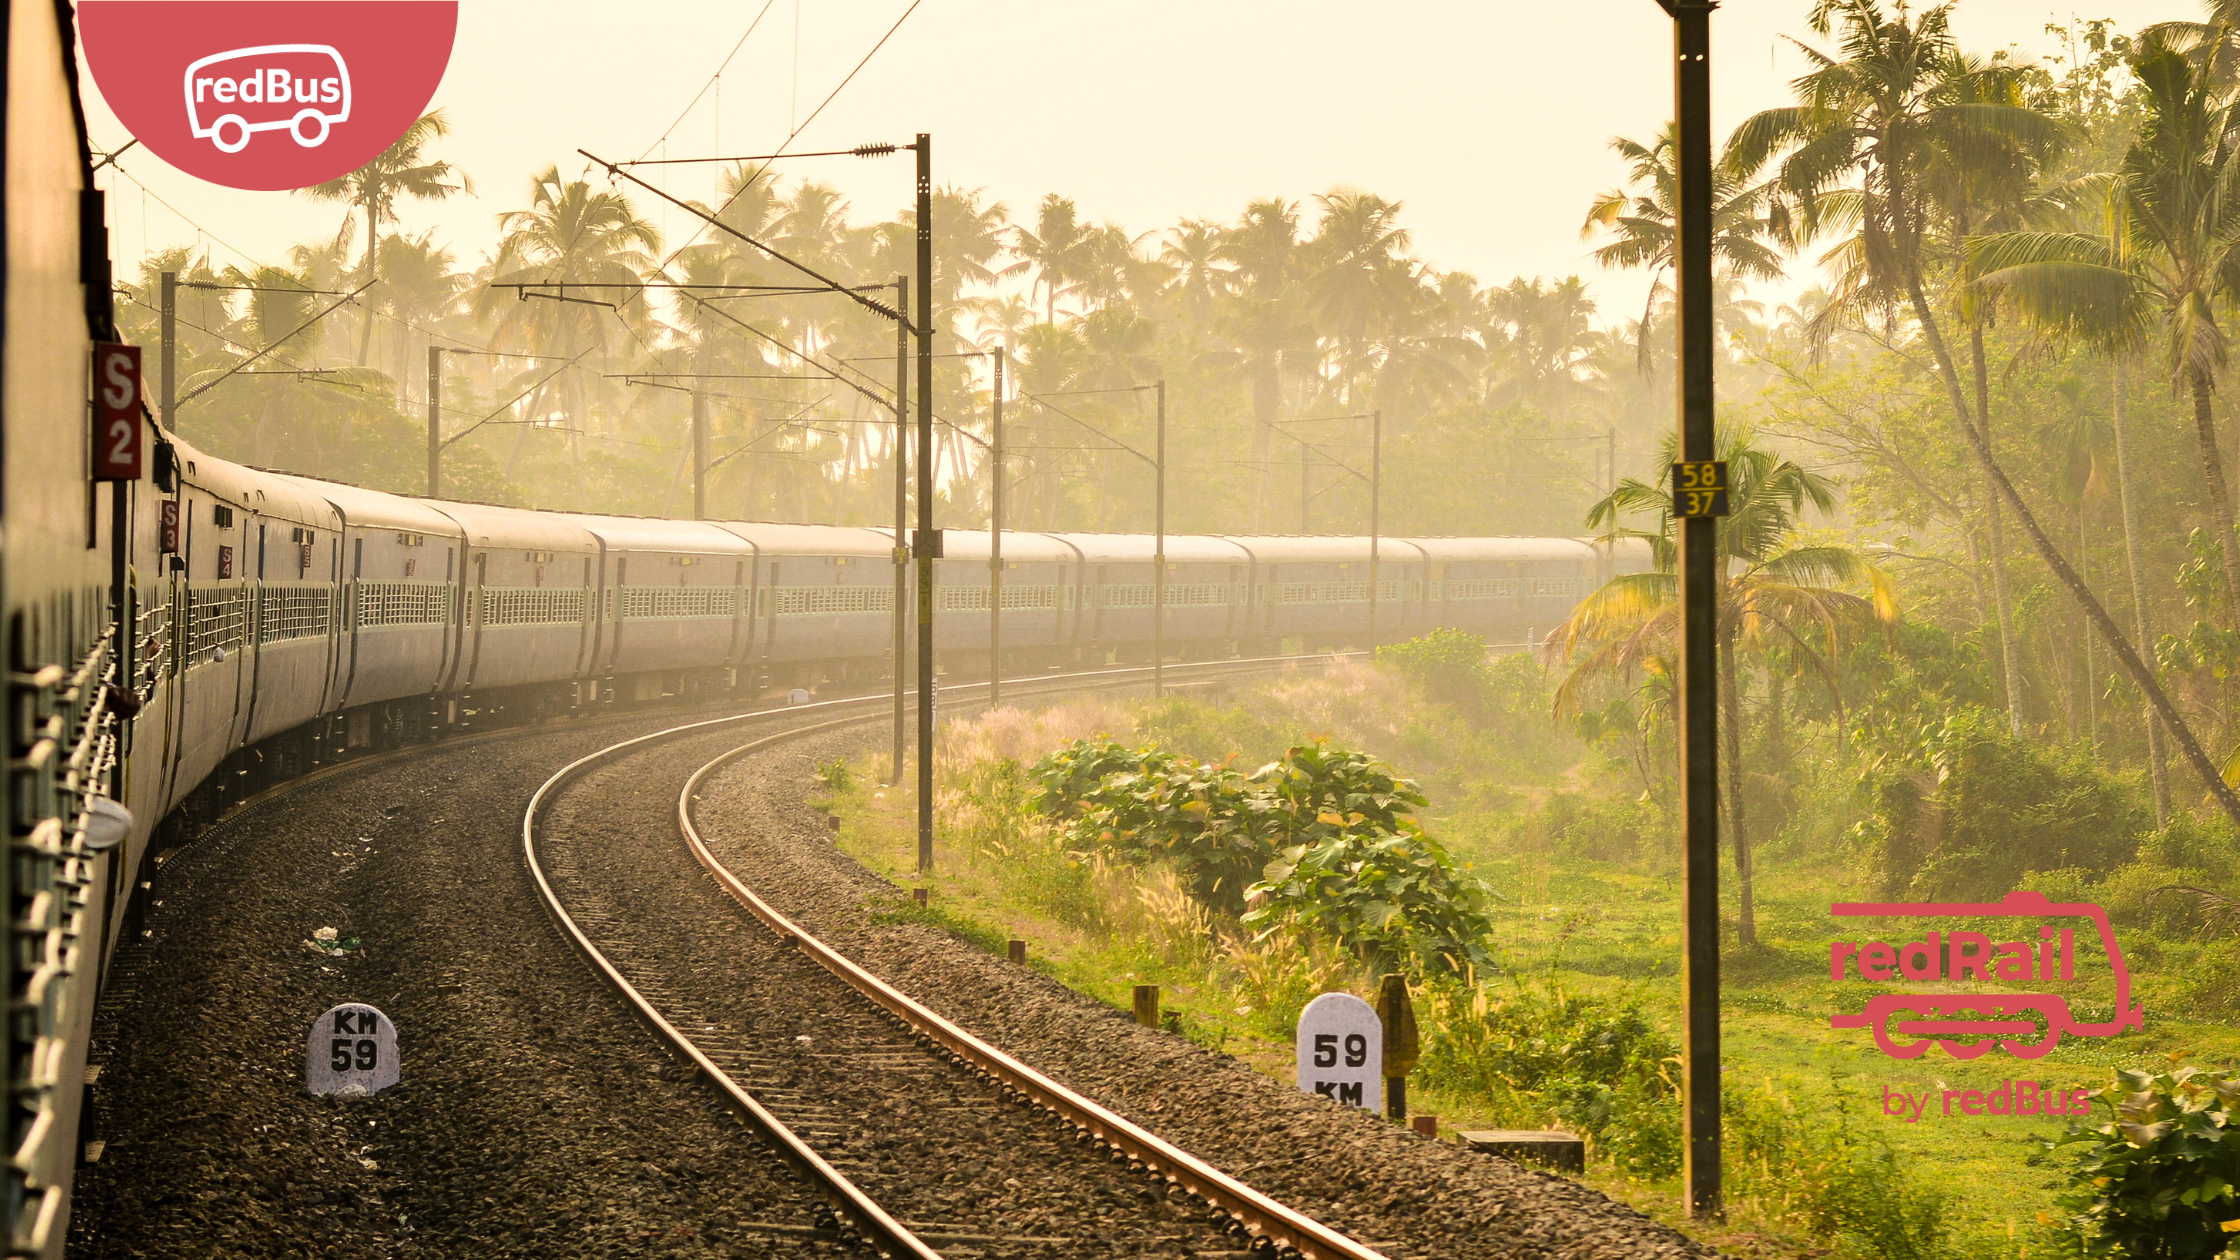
(177, 641)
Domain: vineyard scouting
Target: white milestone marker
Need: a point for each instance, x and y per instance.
(352, 1050)
(1341, 1051)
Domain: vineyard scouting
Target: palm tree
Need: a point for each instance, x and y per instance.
(1774, 593)
(402, 170)
(1193, 254)
(1053, 249)
(2059, 283)
(1263, 321)
(1896, 110)
(1639, 216)
(569, 235)
(1549, 335)
(1358, 279)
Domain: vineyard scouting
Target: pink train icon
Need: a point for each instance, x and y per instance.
(2000, 1018)
(303, 89)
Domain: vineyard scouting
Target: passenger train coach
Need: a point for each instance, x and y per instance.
(175, 641)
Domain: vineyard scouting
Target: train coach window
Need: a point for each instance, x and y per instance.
(221, 516)
(358, 558)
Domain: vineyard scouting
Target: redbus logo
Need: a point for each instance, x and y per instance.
(198, 81)
(248, 76)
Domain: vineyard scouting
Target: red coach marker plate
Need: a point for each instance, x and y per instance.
(268, 94)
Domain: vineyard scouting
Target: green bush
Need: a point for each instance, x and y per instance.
(1329, 834)
(1968, 812)
(1148, 803)
(1391, 898)
(2156, 1180)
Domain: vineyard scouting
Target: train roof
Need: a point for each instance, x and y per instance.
(1334, 549)
(972, 544)
(373, 509)
(1138, 548)
(638, 533)
(812, 540)
(267, 494)
(1504, 550)
(487, 525)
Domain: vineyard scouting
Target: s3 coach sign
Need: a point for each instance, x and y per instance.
(268, 94)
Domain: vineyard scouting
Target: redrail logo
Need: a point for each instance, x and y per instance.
(201, 82)
(1968, 1025)
(268, 79)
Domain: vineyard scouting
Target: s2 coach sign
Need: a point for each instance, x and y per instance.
(268, 94)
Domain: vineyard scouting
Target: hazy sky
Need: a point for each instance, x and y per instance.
(1488, 120)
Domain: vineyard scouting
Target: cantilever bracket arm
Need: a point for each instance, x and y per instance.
(719, 225)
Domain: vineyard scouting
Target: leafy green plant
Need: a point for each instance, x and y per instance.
(2156, 1181)
(1394, 899)
(1150, 804)
(1329, 834)
(835, 775)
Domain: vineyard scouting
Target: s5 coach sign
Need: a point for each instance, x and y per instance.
(268, 94)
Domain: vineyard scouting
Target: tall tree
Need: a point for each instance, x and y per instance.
(1053, 249)
(1264, 321)
(1638, 216)
(1775, 592)
(1868, 131)
(403, 170)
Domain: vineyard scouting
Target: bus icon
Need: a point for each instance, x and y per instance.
(303, 89)
(2004, 1021)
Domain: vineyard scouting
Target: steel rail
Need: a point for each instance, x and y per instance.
(1283, 1229)
(841, 1194)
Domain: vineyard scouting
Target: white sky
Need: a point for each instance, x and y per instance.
(1488, 119)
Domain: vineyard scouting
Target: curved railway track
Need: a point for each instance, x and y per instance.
(917, 1135)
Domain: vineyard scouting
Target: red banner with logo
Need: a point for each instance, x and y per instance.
(269, 95)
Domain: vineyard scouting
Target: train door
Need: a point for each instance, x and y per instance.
(253, 645)
(470, 630)
(586, 629)
(770, 626)
(619, 603)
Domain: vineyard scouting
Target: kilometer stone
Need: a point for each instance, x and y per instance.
(352, 1050)
(1341, 1051)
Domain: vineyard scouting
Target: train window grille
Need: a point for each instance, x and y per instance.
(402, 604)
(151, 636)
(961, 598)
(825, 601)
(1481, 588)
(217, 617)
(678, 602)
(1030, 597)
(1126, 595)
(1320, 593)
(58, 751)
(1563, 588)
(1197, 594)
(293, 612)
(533, 605)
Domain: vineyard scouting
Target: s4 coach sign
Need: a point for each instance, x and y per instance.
(268, 94)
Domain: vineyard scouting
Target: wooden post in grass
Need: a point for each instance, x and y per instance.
(1402, 1047)
(1147, 1005)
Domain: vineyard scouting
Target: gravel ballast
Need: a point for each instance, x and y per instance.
(1377, 1181)
(534, 1118)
